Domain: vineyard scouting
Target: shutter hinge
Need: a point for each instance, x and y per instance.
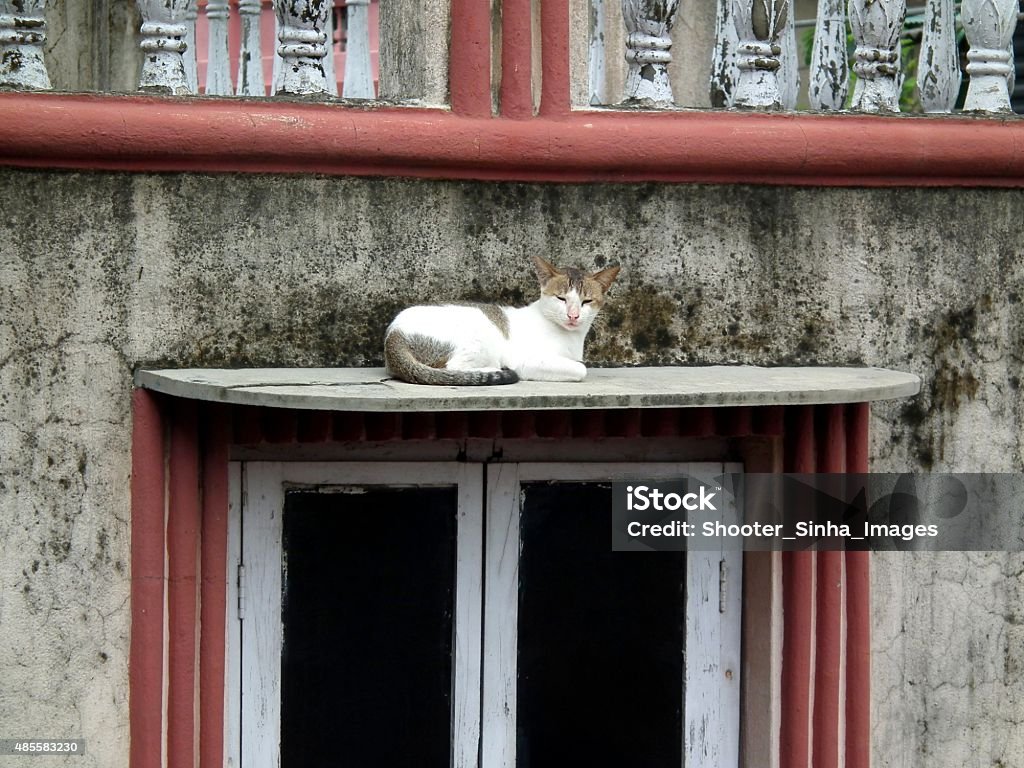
(723, 585)
(241, 591)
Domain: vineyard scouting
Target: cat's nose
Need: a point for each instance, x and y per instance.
(574, 314)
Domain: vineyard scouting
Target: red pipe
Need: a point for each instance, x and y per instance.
(469, 58)
(858, 612)
(798, 577)
(214, 586)
(183, 522)
(516, 59)
(554, 25)
(145, 133)
(829, 620)
(145, 668)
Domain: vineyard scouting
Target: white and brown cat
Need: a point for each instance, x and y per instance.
(479, 344)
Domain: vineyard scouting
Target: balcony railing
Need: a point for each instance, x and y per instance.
(863, 55)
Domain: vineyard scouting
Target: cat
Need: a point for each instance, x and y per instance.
(482, 344)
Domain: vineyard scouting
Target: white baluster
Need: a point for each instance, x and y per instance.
(597, 71)
(250, 55)
(759, 24)
(218, 58)
(301, 25)
(163, 45)
(648, 23)
(938, 68)
(191, 64)
(724, 70)
(989, 25)
(332, 75)
(22, 34)
(276, 75)
(358, 69)
(876, 28)
(789, 64)
(829, 71)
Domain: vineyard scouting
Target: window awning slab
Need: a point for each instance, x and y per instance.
(370, 389)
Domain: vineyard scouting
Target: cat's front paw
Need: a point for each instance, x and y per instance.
(578, 371)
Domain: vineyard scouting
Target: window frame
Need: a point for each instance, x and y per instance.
(486, 598)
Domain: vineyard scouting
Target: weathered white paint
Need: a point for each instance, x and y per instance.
(258, 652)
(191, 63)
(597, 71)
(250, 65)
(302, 32)
(713, 616)
(938, 68)
(22, 35)
(711, 718)
(164, 29)
(501, 617)
(218, 59)
(759, 25)
(358, 70)
(876, 26)
(789, 64)
(829, 70)
(329, 70)
(233, 624)
(648, 42)
(989, 26)
(724, 67)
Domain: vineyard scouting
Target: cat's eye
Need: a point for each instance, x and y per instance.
(587, 301)
(560, 298)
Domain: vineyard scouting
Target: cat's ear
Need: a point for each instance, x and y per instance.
(545, 269)
(606, 276)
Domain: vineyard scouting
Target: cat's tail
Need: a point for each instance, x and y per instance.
(421, 359)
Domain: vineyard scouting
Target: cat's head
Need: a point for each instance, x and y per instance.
(569, 297)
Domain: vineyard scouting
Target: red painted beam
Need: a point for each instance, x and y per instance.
(183, 523)
(516, 59)
(554, 25)
(858, 611)
(469, 58)
(146, 654)
(214, 586)
(146, 133)
(798, 587)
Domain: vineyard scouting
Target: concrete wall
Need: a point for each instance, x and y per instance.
(105, 272)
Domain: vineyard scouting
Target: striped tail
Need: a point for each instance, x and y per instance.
(404, 357)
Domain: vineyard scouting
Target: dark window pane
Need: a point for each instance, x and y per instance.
(600, 638)
(367, 609)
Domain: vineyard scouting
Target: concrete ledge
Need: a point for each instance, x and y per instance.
(369, 389)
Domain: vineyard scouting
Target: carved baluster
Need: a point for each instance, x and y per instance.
(597, 70)
(163, 45)
(648, 23)
(250, 55)
(789, 64)
(191, 64)
(329, 71)
(938, 68)
(829, 72)
(22, 34)
(989, 25)
(759, 24)
(218, 66)
(301, 32)
(358, 69)
(876, 28)
(724, 70)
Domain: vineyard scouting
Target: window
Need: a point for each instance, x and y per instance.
(471, 614)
